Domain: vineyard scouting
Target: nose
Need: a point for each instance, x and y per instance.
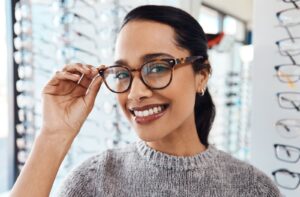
(138, 90)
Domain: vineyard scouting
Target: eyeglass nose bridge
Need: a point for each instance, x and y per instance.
(138, 70)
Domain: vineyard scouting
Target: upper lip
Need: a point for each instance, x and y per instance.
(141, 108)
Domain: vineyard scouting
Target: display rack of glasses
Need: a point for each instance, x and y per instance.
(23, 56)
(230, 87)
(50, 34)
(288, 74)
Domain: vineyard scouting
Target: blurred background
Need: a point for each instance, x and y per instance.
(254, 52)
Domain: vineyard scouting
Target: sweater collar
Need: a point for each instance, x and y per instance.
(176, 162)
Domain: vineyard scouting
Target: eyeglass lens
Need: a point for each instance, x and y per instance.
(288, 128)
(286, 179)
(155, 74)
(287, 153)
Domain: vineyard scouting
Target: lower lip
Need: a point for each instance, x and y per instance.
(148, 119)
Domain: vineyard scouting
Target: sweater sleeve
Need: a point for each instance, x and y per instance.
(264, 186)
(81, 180)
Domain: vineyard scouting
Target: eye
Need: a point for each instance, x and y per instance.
(122, 75)
(157, 68)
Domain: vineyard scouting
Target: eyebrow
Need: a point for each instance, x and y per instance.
(145, 58)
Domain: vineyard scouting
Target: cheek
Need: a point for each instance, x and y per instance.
(184, 103)
(183, 95)
(122, 99)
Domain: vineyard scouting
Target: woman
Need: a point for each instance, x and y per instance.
(160, 77)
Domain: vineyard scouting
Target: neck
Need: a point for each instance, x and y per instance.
(182, 142)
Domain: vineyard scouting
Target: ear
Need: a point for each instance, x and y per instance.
(201, 79)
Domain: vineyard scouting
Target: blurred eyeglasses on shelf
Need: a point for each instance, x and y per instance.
(26, 128)
(288, 128)
(26, 71)
(27, 114)
(22, 11)
(286, 179)
(289, 46)
(290, 16)
(23, 42)
(25, 101)
(71, 4)
(294, 2)
(25, 86)
(69, 37)
(289, 100)
(66, 18)
(287, 153)
(25, 56)
(24, 144)
(22, 156)
(70, 53)
(288, 73)
(23, 27)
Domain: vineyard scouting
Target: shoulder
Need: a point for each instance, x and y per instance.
(241, 173)
(264, 185)
(82, 180)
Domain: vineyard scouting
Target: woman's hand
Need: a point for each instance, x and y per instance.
(68, 98)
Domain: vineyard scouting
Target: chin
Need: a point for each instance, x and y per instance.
(149, 137)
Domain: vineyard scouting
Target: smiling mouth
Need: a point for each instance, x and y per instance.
(149, 111)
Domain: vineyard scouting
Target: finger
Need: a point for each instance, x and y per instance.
(93, 73)
(63, 75)
(94, 88)
(86, 80)
(77, 67)
(55, 87)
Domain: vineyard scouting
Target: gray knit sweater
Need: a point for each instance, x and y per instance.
(139, 171)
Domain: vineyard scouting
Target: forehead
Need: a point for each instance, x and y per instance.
(139, 38)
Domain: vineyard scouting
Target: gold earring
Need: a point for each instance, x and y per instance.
(202, 92)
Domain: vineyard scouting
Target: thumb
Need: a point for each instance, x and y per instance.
(94, 88)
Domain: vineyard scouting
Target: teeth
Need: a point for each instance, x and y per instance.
(148, 112)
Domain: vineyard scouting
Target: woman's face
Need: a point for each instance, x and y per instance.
(173, 106)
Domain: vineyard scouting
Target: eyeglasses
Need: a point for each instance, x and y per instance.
(26, 71)
(22, 11)
(156, 74)
(70, 17)
(26, 101)
(70, 4)
(289, 16)
(286, 179)
(287, 153)
(72, 35)
(23, 27)
(69, 53)
(289, 46)
(288, 73)
(289, 100)
(26, 128)
(288, 128)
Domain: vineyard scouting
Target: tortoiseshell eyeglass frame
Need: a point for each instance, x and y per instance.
(171, 61)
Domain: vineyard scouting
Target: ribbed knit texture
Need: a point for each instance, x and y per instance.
(139, 171)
